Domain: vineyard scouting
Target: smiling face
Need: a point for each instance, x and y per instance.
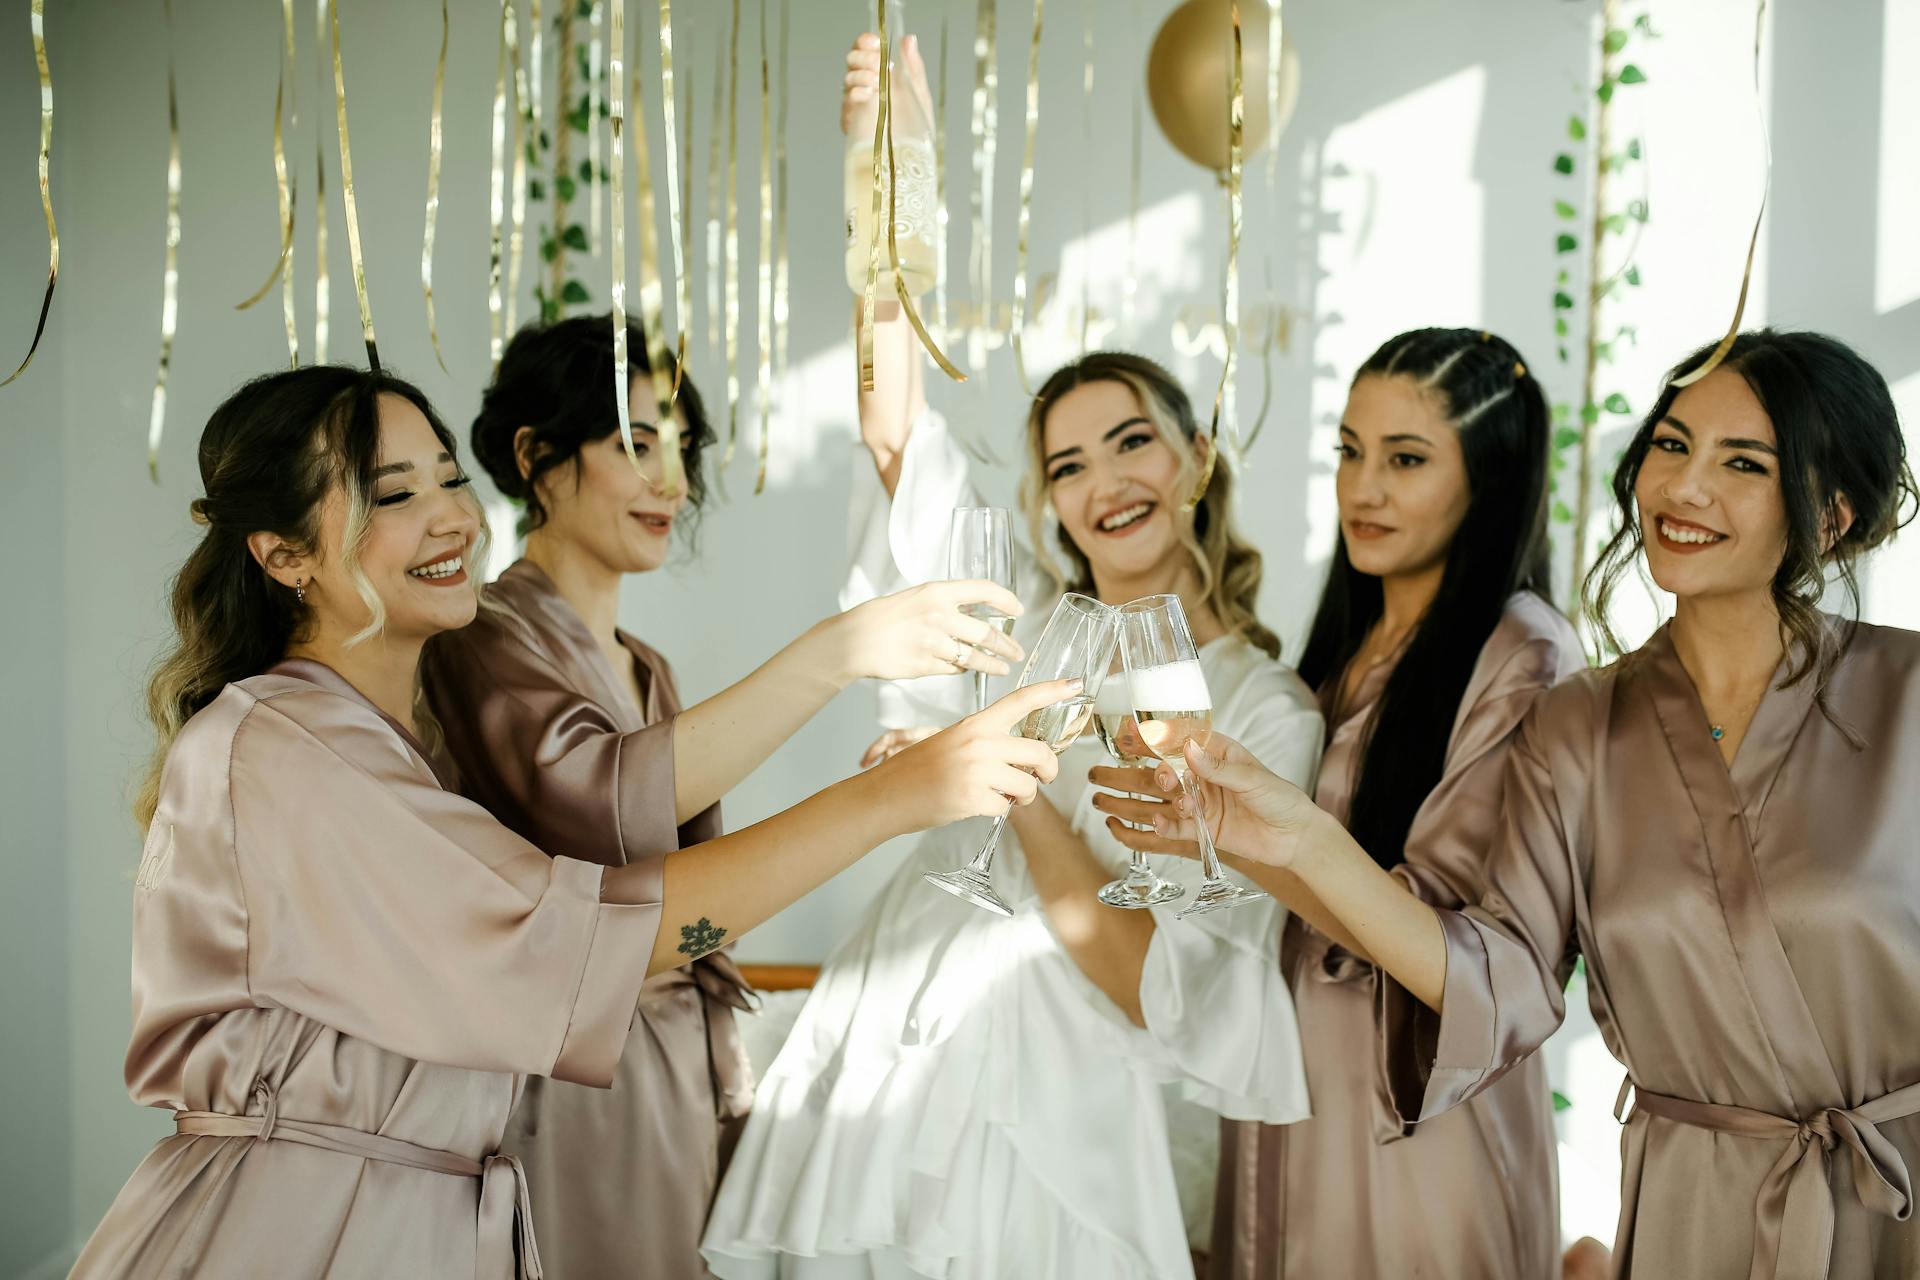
(420, 535)
(602, 505)
(1114, 483)
(1402, 478)
(1709, 497)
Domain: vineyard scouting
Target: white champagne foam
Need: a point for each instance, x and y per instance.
(1174, 687)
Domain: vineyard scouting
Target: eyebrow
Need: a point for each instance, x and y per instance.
(1403, 437)
(396, 468)
(1730, 442)
(1135, 421)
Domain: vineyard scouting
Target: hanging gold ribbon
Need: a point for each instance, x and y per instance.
(663, 376)
(686, 177)
(322, 290)
(1230, 311)
(433, 187)
(498, 185)
(283, 266)
(170, 279)
(730, 319)
(780, 235)
(1753, 243)
(889, 189)
(1026, 200)
(593, 128)
(715, 172)
(617, 217)
(346, 192)
(683, 285)
(39, 19)
(517, 226)
(986, 129)
(765, 252)
(1130, 283)
(939, 310)
(1086, 189)
(1267, 348)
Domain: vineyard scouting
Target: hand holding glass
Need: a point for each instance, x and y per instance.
(980, 545)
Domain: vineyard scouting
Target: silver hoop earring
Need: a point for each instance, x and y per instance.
(300, 590)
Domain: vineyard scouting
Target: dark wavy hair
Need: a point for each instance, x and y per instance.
(269, 456)
(1482, 386)
(1838, 437)
(557, 378)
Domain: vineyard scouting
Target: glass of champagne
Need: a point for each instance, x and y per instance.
(1078, 641)
(980, 545)
(1172, 707)
(1113, 721)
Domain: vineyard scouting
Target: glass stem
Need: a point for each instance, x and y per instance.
(1209, 860)
(983, 860)
(979, 691)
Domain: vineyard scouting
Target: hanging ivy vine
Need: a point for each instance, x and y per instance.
(580, 92)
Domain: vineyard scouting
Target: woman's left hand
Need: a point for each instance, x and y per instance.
(926, 631)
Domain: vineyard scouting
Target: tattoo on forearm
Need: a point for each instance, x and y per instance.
(697, 940)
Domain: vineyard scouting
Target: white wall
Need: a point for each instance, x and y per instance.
(1414, 187)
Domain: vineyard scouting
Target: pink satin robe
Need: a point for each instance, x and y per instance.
(335, 955)
(1353, 1191)
(1752, 944)
(542, 731)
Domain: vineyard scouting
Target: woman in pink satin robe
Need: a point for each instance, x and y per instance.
(1721, 822)
(342, 971)
(1433, 637)
(570, 731)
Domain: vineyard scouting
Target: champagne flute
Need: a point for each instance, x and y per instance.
(1112, 720)
(1172, 707)
(1078, 641)
(980, 545)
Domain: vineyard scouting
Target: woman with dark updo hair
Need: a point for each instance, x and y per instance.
(570, 730)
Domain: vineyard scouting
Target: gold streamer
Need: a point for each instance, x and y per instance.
(714, 175)
(1230, 311)
(1274, 54)
(939, 311)
(617, 215)
(780, 234)
(683, 287)
(764, 254)
(433, 187)
(1026, 192)
(1130, 282)
(1086, 188)
(730, 322)
(593, 126)
(346, 193)
(283, 266)
(986, 129)
(686, 171)
(1753, 244)
(517, 228)
(498, 183)
(39, 20)
(665, 382)
(170, 278)
(322, 289)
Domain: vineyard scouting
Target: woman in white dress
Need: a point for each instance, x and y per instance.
(966, 1095)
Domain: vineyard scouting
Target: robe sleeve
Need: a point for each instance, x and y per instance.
(1508, 955)
(550, 761)
(1215, 998)
(901, 542)
(381, 905)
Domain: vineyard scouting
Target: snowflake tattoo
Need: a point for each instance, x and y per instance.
(697, 940)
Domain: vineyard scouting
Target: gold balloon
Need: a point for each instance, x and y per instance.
(1187, 76)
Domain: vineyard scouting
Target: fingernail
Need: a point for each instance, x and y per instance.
(1160, 824)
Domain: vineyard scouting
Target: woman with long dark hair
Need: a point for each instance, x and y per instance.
(1433, 636)
(569, 730)
(342, 970)
(1721, 823)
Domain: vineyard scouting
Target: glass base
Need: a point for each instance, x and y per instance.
(1144, 890)
(971, 885)
(1218, 895)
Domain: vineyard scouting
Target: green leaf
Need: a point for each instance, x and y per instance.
(1616, 40)
(1605, 91)
(1565, 210)
(1637, 210)
(1562, 301)
(566, 186)
(1644, 25)
(1563, 163)
(1563, 355)
(1559, 326)
(1603, 351)
(1633, 148)
(1565, 438)
(584, 9)
(1615, 223)
(577, 120)
(536, 189)
(1562, 513)
(1562, 412)
(1617, 403)
(576, 237)
(586, 171)
(1576, 128)
(1562, 277)
(1589, 413)
(575, 293)
(549, 311)
(1564, 243)
(1632, 277)
(533, 154)
(1630, 74)
(549, 248)
(1560, 1102)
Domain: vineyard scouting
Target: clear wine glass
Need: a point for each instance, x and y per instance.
(1078, 641)
(1172, 707)
(980, 545)
(1113, 721)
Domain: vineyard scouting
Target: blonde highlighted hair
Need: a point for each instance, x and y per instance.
(269, 456)
(1229, 566)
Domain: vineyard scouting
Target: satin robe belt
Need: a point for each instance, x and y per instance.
(1793, 1215)
(724, 987)
(504, 1206)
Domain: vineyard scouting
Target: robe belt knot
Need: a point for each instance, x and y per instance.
(1793, 1212)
